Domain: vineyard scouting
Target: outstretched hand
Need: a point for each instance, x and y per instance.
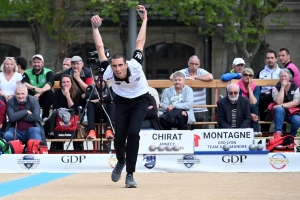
(96, 21)
(141, 11)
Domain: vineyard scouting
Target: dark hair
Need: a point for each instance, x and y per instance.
(118, 55)
(286, 50)
(22, 62)
(73, 89)
(271, 51)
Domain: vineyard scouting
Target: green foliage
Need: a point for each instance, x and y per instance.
(298, 141)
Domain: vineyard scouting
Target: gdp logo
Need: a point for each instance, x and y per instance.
(112, 161)
(72, 160)
(188, 161)
(278, 161)
(28, 162)
(150, 160)
(231, 160)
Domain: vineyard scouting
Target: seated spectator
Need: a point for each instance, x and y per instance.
(66, 65)
(151, 121)
(22, 64)
(153, 92)
(177, 104)
(2, 117)
(39, 81)
(286, 96)
(9, 78)
(23, 113)
(95, 112)
(250, 90)
(67, 96)
(236, 72)
(233, 111)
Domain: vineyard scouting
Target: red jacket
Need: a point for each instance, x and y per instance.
(2, 113)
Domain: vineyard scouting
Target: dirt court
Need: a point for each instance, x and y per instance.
(165, 186)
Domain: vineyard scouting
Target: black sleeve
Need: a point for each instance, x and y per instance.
(50, 79)
(292, 72)
(56, 99)
(25, 78)
(77, 101)
(57, 76)
(138, 56)
(151, 113)
(103, 66)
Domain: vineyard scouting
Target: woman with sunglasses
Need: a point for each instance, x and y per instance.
(9, 78)
(250, 90)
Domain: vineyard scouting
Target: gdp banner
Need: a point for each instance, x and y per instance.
(214, 139)
(166, 142)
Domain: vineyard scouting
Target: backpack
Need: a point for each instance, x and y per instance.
(284, 142)
(11, 147)
(36, 147)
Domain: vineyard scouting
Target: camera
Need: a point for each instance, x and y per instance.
(93, 60)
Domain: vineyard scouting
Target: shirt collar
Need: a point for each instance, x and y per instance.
(126, 79)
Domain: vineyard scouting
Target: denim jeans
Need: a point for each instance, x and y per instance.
(23, 136)
(280, 116)
(254, 110)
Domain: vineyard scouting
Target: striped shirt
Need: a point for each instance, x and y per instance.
(199, 93)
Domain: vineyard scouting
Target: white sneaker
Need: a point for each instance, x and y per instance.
(257, 134)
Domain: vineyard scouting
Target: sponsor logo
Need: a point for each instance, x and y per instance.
(28, 162)
(112, 161)
(188, 161)
(72, 160)
(118, 82)
(278, 161)
(150, 160)
(138, 55)
(231, 160)
(110, 78)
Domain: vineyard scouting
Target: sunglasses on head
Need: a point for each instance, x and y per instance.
(250, 75)
(233, 93)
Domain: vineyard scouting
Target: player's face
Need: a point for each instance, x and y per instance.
(119, 67)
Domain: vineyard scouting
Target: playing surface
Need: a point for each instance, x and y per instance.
(165, 186)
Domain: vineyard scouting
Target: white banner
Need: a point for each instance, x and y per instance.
(215, 139)
(166, 142)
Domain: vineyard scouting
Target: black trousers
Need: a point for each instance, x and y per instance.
(45, 101)
(180, 124)
(129, 115)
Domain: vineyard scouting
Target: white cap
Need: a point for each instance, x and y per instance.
(38, 56)
(237, 61)
(76, 59)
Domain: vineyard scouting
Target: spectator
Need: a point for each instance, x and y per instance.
(23, 112)
(233, 111)
(270, 71)
(194, 72)
(236, 72)
(151, 121)
(2, 117)
(285, 95)
(285, 59)
(66, 65)
(67, 96)
(39, 81)
(250, 90)
(95, 112)
(177, 103)
(22, 64)
(9, 78)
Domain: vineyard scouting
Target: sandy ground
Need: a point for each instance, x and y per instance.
(166, 186)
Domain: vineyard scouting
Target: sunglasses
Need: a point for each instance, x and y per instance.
(250, 75)
(233, 93)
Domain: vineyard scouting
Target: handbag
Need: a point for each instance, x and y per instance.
(71, 126)
(293, 111)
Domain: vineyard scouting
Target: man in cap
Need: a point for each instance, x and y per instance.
(237, 68)
(39, 81)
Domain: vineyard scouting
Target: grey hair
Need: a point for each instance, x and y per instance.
(22, 86)
(179, 74)
(66, 59)
(194, 56)
(248, 70)
(286, 71)
(232, 84)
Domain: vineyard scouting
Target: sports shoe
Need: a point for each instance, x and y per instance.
(129, 182)
(109, 134)
(257, 134)
(91, 135)
(116, 173)
(278, 134)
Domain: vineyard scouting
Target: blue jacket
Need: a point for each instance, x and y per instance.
(230, 75)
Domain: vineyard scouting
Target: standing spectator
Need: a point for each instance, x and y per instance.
(286, 95)
(22, 64)
(236, 72)
(233, 111)
(132, 98)
(9, 78)
(285, 59)
(177, 104)
(194, 72)
(23, 112)
(270, 71)
(39, 81)
(250, 90)
(66, 65)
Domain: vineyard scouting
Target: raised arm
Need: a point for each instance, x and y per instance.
(141, 38)
(96, 23)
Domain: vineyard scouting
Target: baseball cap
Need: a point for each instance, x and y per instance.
(237, 61)
(76, 59)
(38, 56)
